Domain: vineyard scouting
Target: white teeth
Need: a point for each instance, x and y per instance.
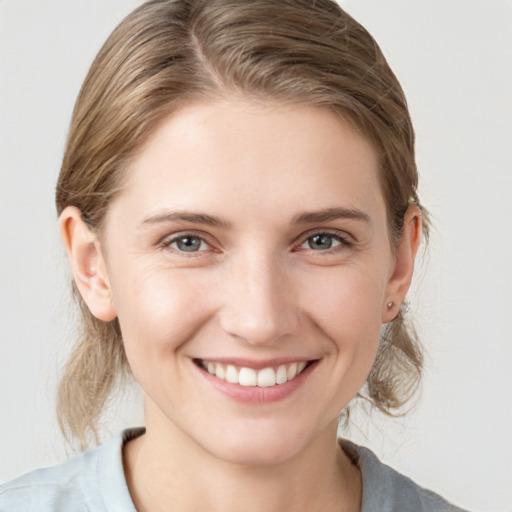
(266, 378)
(220, 373)
(292, 371)
(263, 378)
(281, 376)
(231, 374)
(247, 377)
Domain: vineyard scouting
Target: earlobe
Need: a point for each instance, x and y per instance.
(87, 263)
(401, 277)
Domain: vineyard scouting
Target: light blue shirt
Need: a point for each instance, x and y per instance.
(94, 482)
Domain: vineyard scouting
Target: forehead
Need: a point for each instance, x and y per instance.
(231, 153)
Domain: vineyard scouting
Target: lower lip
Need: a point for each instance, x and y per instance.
(256, 394)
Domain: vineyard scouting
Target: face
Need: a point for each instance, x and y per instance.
(249, 264)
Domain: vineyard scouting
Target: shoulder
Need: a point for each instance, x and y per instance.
(71, 484)
(86, 482)
(386, 490)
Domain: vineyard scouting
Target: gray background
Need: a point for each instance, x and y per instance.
(454, 60)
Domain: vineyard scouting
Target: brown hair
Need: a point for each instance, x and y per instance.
(168, 52)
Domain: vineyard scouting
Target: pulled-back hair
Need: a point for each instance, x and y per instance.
(170, 52)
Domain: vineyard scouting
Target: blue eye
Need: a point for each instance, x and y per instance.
(189, 243)
(322, 242)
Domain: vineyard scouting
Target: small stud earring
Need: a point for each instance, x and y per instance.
(390, 304)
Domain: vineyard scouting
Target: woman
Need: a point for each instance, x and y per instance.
(238, 202)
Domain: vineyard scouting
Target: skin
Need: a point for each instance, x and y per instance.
(257, 289)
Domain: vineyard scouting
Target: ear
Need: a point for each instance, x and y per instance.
(87, 263)
(405, 253)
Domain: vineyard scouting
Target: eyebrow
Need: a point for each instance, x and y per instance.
(325, 215)
(331, 214)
(187, 216)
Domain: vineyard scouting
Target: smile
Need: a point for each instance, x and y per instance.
(249, 377)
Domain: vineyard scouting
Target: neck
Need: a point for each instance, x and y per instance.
(165, 472)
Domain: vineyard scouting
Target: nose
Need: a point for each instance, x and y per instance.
(259, 303)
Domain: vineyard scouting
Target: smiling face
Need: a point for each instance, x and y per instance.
(249, 263)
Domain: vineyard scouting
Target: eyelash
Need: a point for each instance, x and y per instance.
(342, 240)
(333, 236)
(169, 241)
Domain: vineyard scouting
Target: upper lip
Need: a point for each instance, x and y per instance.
(255, 364)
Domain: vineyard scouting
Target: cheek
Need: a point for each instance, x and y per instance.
(345, 301)
(160, 311)
(346, 307)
